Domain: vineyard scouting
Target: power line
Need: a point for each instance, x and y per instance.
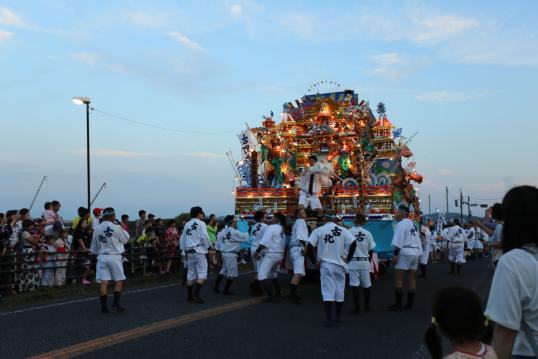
(161, 127)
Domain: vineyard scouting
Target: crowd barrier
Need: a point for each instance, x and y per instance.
(18, 270)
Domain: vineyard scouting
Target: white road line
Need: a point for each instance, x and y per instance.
(133, 291)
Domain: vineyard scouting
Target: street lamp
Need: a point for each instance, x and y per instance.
(86, 101)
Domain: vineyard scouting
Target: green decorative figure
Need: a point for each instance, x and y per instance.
(264, 152)
(344, 163)
(278, 179)
(293, 161)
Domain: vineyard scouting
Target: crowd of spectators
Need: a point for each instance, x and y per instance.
(44, 252)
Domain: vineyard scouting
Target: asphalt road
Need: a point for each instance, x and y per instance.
(160, 323)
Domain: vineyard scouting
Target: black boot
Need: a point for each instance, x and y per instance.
(116, 303)
(104, 308)
(276, 285)
(366, 299)
(398, 294)
(217, 283)
(196, 295)
(452, 267)
(339, 306)
(458, 269)
(184, 278)
(410, 299)
(293, 294)
(422, 271)
(256, 288)
(268, 290)
(189, 294)
(328, 306)
(227, 288)
(356, 301)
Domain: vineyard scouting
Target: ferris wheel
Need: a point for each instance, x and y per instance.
(324, 86)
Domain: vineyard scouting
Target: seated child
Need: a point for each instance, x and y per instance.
(458, 315)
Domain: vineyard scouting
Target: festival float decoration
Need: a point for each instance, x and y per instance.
(368, 162)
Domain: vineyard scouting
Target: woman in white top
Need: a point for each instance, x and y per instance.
(513, 299)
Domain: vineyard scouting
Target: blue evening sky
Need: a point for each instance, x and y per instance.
(463, 74)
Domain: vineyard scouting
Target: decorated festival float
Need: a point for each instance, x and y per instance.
(367, 163)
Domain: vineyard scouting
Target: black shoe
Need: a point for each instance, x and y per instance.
(198, 300)
(268, 299)
(105, 311)
(394, 308)
(355, 311)
(228, 292)
(328, 324)
(216, 290)
(410, 300)
(118, 309)
(256, 289)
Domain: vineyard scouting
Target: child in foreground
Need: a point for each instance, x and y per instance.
(458, 315)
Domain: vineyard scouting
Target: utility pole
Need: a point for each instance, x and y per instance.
(461, 206)
(446, 201)
(469, 208)
(429, 205)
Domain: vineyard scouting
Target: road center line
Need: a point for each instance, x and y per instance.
(124, 336)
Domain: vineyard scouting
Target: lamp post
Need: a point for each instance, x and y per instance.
(86, 101)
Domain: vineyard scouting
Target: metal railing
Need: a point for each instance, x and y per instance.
(35, 269)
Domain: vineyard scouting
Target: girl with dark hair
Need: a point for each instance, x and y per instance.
(457, 315)
(82, 238)
(513, 299)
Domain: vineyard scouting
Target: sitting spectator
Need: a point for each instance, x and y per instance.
(46, 207)
(458, 315)
(513, 298)
(49, 216)
(28, 278)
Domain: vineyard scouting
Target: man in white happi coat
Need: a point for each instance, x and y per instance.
(331, 241)
(270, 252)
(456, 246)
(257, 232)
(108, 244)
(195, 243)
(359, 265)
(299, 238)
(229, 245)
(310, 183)
(425, 240)
(407, 250)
